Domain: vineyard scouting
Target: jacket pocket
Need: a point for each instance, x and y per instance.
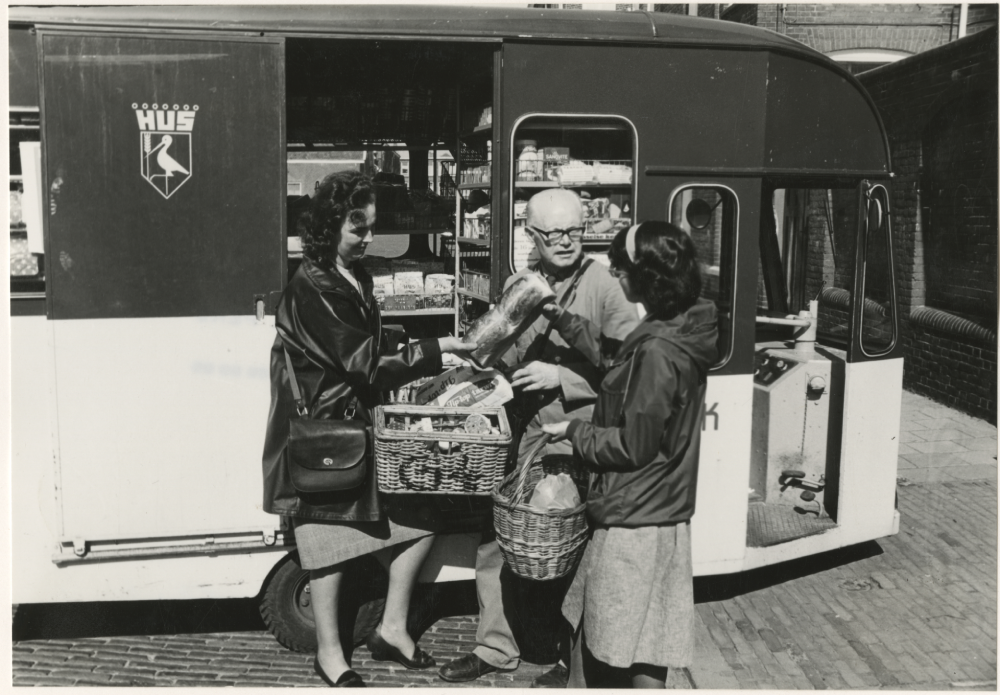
(612, 397)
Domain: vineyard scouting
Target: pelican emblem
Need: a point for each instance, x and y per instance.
(166, 160)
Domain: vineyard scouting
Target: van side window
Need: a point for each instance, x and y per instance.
(878, 320)
(593, 156)
(27, 263)
(709, 215)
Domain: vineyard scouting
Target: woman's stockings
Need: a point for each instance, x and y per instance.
(407, 559)
(324, 590)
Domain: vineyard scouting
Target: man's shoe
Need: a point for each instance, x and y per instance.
(467, 668)
(556, 677)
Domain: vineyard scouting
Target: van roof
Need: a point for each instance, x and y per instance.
(420, 21)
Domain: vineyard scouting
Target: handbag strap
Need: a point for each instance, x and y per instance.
(300, 403)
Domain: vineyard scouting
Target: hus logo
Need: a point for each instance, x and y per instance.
(165, 144)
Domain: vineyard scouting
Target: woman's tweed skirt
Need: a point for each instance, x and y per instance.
(634, 594)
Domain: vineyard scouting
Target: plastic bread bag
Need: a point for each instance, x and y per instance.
(555, 492)
(498, 329)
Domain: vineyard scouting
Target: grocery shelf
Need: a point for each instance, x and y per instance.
(334, 145)
(467, 241)
(478, 130)
(410, 231)
(556, 184)
(418, 312)
(474, 295)
(474, 186)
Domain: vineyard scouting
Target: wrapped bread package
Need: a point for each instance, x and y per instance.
(438, 283)
(408, 282)
(498, 329)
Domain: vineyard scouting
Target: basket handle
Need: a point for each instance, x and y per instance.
(522, 471)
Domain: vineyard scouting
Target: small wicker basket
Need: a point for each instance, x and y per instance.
(413, 462)
(539, 544)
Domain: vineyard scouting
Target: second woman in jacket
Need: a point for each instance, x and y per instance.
(631, 602)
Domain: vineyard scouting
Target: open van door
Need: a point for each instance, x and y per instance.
(164, 169)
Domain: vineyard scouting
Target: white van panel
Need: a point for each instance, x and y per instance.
(161, 425)
(873, 401)
(719, 526)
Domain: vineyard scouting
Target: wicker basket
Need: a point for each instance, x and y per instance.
(539, 544)
(412, 462)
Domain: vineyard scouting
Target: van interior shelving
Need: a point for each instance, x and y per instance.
(380, 98)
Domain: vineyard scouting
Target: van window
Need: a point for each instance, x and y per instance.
(878, 319)
(709, 215)
(593, 156)
(807, 253)
(27, 264)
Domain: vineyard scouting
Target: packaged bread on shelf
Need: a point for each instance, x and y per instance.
(438, 283)
(408, 282)
(497, 330)
(380, 270)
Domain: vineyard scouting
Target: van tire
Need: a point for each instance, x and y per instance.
(287, 612)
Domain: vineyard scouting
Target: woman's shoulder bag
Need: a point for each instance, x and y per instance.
(324, 455)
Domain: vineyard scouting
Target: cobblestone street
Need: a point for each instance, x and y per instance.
(913, 611)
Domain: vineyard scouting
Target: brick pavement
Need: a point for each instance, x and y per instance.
(916, 611)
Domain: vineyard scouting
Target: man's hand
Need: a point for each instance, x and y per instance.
(536, 376)
(552, 311)
(557, 430)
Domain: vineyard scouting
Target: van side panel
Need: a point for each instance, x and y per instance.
(166, 175)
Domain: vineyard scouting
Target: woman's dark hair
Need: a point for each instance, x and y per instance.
(665, 272)
(341, 195)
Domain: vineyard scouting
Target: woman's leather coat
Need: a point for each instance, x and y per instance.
(339, 351)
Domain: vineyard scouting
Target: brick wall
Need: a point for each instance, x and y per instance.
(906, 27)
(940, 111)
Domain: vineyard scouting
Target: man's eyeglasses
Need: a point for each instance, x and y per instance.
(553, 236)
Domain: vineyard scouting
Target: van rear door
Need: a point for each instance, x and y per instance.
(164, 165)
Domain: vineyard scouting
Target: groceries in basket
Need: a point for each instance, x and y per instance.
(440, 450)
(497, 330)
(555, 491)
(540, 538)
(465, 387)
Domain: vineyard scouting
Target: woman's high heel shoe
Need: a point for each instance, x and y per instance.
(383, 651)
(348, 679)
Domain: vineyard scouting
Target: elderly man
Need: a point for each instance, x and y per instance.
(554, 383)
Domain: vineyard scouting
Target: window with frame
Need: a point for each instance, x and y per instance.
(593, 156)
(710, 214)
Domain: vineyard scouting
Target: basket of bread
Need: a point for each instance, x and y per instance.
(450, 434)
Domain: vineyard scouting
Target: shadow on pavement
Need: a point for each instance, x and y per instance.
(124, 618)
(723, 587)
(534, 622)
(38, 621)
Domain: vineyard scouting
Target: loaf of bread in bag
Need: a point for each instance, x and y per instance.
(497, 330)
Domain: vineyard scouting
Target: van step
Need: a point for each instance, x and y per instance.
(771, 524)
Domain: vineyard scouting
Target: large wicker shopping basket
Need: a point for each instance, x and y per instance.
(537, 543)
(439, 462)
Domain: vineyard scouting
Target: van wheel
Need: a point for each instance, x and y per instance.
(287, 610)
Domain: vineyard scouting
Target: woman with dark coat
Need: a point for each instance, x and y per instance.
(330, 325)
(631, 603)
